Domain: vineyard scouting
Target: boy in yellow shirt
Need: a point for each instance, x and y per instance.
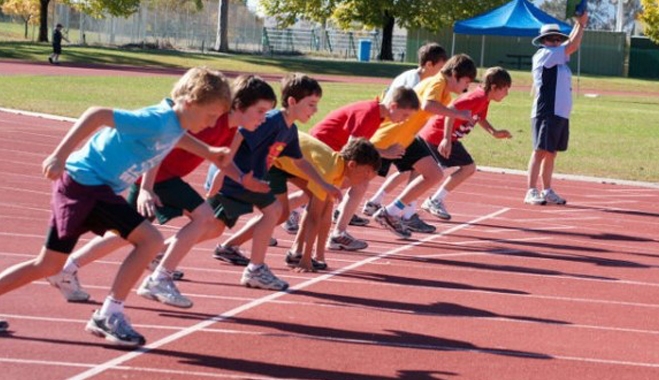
(356, 163)
(435, 95)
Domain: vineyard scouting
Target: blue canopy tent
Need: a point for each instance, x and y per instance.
(518, 18)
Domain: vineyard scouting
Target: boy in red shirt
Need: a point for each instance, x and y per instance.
(445, 144)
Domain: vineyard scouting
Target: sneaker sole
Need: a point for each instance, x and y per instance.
(150, 296)
(536, 203)
(232, 262)
(340, 247)
(386, 225)
(252, 286)
(92, 329)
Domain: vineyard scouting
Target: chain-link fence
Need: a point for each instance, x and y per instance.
(183, 27)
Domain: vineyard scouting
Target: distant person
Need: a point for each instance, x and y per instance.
(57, 45)
(550, 124)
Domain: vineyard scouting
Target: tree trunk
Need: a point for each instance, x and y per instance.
(386, 51)
(26, 27)
(43, 21)
(222, 39)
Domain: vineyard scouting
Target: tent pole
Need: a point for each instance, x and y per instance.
(482, 50)
(578, 70)
(453, 45)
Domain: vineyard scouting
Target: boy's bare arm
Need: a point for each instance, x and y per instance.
(497, 133)
(92, 119)
(438, 108)
(313, 175)
(214, 154)
(147, 199)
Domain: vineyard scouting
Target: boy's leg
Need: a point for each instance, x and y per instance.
(66, 281)
(48, 263)
(159, 286)
(308, 233)
(340, 239)
(533, 196)
(390, 184)
(323, 231)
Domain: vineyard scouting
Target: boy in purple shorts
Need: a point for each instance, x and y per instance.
(89, 180)
(168, 196)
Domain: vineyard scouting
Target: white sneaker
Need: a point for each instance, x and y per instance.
(292, 224)
(176, 275)
(69, 286)
(115, 328)
(346, 241)
(436, 208)
(533, 197)
(262, 278)
(551, 197)
(370, 208)
(164, 291)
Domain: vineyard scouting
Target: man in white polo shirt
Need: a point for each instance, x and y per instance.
(550, 125)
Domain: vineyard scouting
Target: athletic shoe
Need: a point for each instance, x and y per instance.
(262, 278)
(370, 208)
(273, 242)
(415, 224)
(553, 198)
(345, 241)
(354, 221)
(436, 208)
(533, 197)
(292, 224)
(115, 328)
(392, 223)
(231, 255)
(4, 325)
(176, 274)
(69, 286)
(164, 291)
(293, 259)
(50, 59)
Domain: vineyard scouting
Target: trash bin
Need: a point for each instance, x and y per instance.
(364, 50)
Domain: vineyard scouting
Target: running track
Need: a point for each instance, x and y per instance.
(503, 291)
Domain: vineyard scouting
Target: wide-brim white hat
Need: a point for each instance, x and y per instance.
(549, 30)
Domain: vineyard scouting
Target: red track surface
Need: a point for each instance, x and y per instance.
(502, 291)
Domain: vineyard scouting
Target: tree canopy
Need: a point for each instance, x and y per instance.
(379, 14)
(650, 19)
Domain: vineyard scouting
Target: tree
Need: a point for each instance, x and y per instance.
(601, 13)
(95, 8)
(26, 10)
(222, 40)
(650, 19)
(379, 14)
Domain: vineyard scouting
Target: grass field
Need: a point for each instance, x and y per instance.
(614, 135)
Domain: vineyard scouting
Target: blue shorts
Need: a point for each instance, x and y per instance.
(550, 133)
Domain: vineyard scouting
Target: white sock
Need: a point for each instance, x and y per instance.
(252, 267)
(440, 195)
(111, 306)
(71, 266)
(409, 210)
(395, 208)
(161, 274)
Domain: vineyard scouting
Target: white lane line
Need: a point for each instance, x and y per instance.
(192, 329)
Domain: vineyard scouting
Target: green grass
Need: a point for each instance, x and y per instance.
(613, 135)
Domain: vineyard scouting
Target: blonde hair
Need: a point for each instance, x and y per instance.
(202, 86)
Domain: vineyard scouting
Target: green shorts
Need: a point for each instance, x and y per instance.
(176, 196)
(278, 180)
(228, 208)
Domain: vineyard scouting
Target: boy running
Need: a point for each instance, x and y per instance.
(89, 180)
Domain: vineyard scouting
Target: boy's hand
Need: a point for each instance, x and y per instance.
(147, 201)
(333, 191)
(393, 152)
(583, 19)
(52, 167)
(444, 148)
(221, 156)
(502, 134)
(254, 184)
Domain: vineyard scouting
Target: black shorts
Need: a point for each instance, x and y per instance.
(119, 218)
(278, 180)
(176, 196)
(459, 155)
(229, 207)
(414, 152)
(550, 133)
(57, 48)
